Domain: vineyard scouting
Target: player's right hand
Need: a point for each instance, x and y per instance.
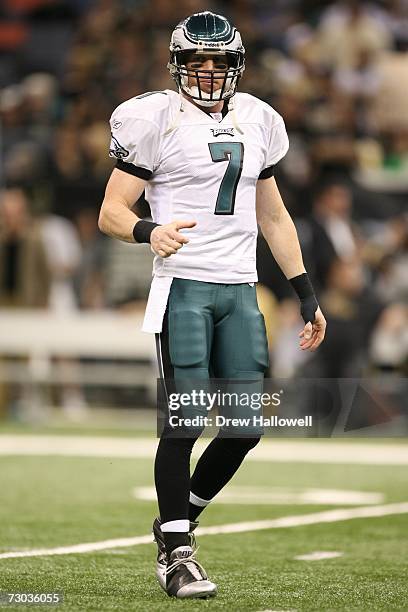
(166, 240)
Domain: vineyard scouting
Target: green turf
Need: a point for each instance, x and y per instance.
(103, 423)
(56, 501)
(143, 424)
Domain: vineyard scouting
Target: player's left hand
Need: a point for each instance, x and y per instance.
(312, 335)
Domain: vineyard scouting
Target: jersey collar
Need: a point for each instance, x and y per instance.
(224, 111)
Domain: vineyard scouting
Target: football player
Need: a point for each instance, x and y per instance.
(205, 156)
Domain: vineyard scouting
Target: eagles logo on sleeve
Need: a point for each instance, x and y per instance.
(116, 149)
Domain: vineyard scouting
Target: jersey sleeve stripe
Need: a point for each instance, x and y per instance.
(142, 173)
(267, 173)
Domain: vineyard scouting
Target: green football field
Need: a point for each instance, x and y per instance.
(60, 501)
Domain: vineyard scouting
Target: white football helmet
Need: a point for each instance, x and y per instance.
(208, 34)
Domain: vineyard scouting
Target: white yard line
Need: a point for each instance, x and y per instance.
(79, 548)
(324, 451)
(318, 555)
(278, 495)
(329, 516)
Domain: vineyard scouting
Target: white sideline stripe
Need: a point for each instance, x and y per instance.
(279, 495)
(329, 516)
(285, 451)
(79, 548)
(318, 555)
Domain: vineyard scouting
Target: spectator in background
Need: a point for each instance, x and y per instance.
(25, 276)
(347, 29)
(12, 117)
(41, 106)
(390, 113)
(396, 20)
(89, 279)
(389, 342)
(352, 311)
(360, 81)
(333, 234)
(64, 253)
(63, 249)
(391, 281)
(128, 274)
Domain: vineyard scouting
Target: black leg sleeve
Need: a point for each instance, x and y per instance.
(172, 477)
(216, 466)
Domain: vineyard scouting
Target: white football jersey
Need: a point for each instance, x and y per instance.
(203, 169)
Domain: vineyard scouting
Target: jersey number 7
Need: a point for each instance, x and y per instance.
(233, 153)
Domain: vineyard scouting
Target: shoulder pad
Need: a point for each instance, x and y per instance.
(151, 106)
(253, 105)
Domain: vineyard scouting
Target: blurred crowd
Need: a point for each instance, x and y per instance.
(336, 71)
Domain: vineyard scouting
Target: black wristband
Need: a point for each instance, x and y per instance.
(306, 294)
(143, 229)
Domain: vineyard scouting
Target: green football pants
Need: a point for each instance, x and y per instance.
(213, 330)
(216, 330)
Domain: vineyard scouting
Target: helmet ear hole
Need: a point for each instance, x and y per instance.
(233, 59)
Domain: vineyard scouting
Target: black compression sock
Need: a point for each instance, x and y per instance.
(216, 466)
(194, 511)
(174, 539)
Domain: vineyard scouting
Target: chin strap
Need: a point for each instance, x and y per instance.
(231, 108)
(176, 121)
